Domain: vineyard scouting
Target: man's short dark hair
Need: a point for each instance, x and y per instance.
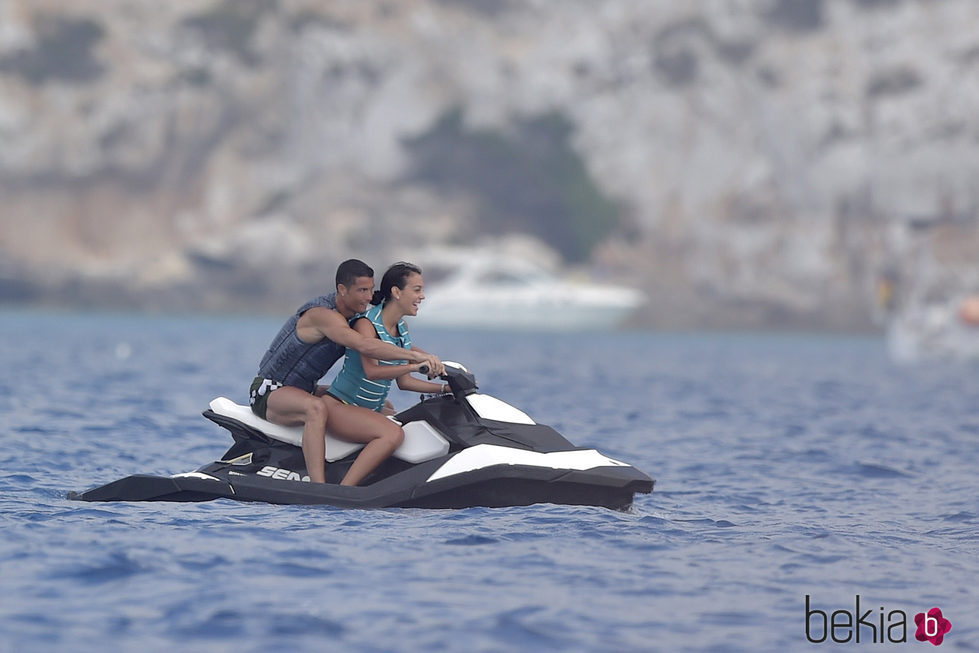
(352, 269)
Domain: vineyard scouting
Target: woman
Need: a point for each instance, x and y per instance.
(366, 381)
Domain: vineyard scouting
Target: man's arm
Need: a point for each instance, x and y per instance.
(373, 370)
(330, 324)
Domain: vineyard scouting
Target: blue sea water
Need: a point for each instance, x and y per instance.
(787, 466)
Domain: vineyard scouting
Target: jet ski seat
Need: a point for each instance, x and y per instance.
(422, 441)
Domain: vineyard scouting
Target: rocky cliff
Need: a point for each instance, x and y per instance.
(745, 162)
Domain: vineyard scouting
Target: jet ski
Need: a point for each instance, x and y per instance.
(461, 449)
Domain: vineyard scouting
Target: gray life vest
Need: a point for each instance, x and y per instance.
(290, 361)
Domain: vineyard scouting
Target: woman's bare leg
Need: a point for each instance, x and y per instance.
(358, 424)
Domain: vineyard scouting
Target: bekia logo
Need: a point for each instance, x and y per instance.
(932, 626)
(842, 626)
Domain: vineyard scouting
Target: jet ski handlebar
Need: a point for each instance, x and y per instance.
(460, 380)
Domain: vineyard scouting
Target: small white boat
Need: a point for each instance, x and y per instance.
(937, 330)
(486, 291)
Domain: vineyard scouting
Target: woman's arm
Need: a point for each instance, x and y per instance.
(411, 384)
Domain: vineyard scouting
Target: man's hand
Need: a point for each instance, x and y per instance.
(435, 366)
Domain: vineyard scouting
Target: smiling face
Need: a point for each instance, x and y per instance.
(356, 297)
(409, 297)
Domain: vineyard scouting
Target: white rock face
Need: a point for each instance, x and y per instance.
(767, 153)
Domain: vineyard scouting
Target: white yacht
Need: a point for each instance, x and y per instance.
(483, 290)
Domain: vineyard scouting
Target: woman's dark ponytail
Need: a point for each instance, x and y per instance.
(396, 276)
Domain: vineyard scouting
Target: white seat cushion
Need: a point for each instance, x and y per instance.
(422, 441)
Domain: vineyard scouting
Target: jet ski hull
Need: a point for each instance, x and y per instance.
(493, 487)
(145, 487)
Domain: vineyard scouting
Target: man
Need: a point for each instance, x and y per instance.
(309, 343)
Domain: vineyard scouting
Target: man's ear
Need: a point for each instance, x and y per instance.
(341, 290)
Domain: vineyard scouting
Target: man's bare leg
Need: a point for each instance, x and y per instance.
(291, 406)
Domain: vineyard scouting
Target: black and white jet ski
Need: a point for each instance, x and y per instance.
(461, 449)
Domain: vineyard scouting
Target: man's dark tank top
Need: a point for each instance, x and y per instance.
(290, 361)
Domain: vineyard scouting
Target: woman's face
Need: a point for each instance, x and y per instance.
(409, 297)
